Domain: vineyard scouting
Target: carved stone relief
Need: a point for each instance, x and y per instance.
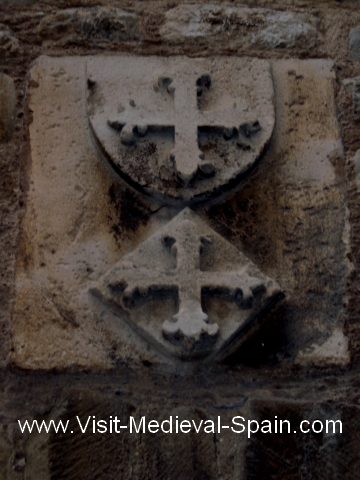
(184, 132)
(181, 129)
(122, 256)
(189, 259)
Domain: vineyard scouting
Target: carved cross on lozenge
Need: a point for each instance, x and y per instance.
(190, 327)
(186, 118)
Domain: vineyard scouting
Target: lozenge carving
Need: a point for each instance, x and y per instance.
(185, 252)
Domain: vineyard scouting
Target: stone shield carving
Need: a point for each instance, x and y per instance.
(210, 292)
(169, 123)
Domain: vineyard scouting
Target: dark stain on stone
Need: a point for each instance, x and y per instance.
(129, 213)
(269, 345)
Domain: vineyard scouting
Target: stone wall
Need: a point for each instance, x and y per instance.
(67, 217)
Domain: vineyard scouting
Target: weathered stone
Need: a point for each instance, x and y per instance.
(81, 220)
(5, 457)
(194, 121)
(291, 218)
(7, 107)
(93, 25)
(332, 352)
(200, 263)
(8, 42)
(131, 455)
(354, 43)
(352, 87)
(357, 166)
(326, 453)
(243, 27)
(282, 450)
(18, 2)
(288, 228)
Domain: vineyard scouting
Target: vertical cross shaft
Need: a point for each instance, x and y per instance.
(184, 117)
(191, 323)
(186, 152)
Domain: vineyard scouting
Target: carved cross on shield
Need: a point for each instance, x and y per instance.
(182, 131)
(166, 123)
(186, 119)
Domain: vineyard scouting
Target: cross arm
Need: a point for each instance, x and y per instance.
(239, 284)
(230, 119)
(130, 280)
(138, 119)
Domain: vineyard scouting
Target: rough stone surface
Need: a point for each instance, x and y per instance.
(354, 43)
(78, 25)
(291, 455)
(160, 455)
(18, 2)
(258, 27)
(5, 457)
(8, 42)
(357, 166)
(77, 227)
(299, 231)
(130, 455)
(206, 136)
(306, 149)
(353, 86)
(356, 97)
(334, 351)
(195, 267)
(7, 107)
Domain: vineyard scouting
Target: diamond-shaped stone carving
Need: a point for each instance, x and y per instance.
(188, 258)
(168, 122)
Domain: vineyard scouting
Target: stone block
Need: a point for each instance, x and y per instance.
(328, 454)
(354, 43)
(305, 158)
(241, 27)
(8, 42)
(352, 87)
(119, 453)
(6, 458)
(95, 444)
(7, 107)
(96, 25)
(332, 352)
(18, 2)
(357, 167)
(82, 218)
